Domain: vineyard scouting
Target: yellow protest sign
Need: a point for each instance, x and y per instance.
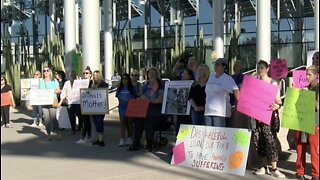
(183, 133)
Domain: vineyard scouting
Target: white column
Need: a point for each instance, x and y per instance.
(108, 40)
(263, 30)
(52, 9)
(69, 33)
(316, 25)
(77, 21)
(218, 36)
(173, 11)
(90, 34)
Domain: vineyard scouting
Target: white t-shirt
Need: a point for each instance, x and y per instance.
(217, 95)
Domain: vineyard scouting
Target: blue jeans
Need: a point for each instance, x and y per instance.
(98, 123)
(197, 117)
(37, 112)
(215, 121)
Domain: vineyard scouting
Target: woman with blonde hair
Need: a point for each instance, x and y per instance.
(49, 112)
(197, 95)
(303, 139)
(37, 112)
(98, 82)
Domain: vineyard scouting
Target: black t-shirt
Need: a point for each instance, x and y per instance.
(6, 88)
(198, 94)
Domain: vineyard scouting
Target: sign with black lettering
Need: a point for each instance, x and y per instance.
(94, 101)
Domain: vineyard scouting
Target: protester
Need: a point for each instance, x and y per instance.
(124, 93)
(315, 59)
(5, 109)
(218, 87)
(153, 119)
(37, 113)
(61, 78)
(197, 95)
(98, 82)
(74, 110)
(49, 111)
(152, 73)
(184, 119)
(303, 139)
(86, 131)
(264, 135)
(193, 65)
(135, 82)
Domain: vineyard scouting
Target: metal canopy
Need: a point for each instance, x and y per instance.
(122, 10)
(189, 7)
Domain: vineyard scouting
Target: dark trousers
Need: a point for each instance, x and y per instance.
(98, 122)
(86, 126)
(5, 114)
(73, 111)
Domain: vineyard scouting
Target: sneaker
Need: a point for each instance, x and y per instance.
(8, 126)
(262, 171)
(276, 173)
(88, 140)
(122, 142)
(34, 125)
(299, 177)
(129, 141)
(81, 141)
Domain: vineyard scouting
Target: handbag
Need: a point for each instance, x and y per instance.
(55, 103)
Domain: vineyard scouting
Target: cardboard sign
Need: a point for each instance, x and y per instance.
(94, 101)
(137, 108)
(256, 98)
(299, 110)
(25, 83)
(63, 117)
(300, 79)
(5, 99)
(26, 86)
(212, 148)
(75, 91)
(175, 99)
(41, 96)
(278, 68)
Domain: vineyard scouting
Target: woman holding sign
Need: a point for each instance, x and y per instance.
(49, 111)
(6, 100)
(265, 135)
(303, 139)
(98, 82)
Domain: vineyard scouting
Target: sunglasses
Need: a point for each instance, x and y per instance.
(36, 74)
(46, 70)
(124, 78)
(315, 58)
(134, 75)
(86, 73)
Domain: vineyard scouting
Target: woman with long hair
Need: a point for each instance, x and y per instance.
(98, 82)
(49, 112)
(124, 93)
(6, 90)
(37, 112)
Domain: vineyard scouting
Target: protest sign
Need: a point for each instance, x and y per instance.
(75, 91)
(216, 104)
(63, 117)
(26, 86)
(278, 68)
(137, 108)
(94, 101)
(212, 148)
(5, 99)
(25, 83)
(175, 99)
(300, 79)
(309, 57)
(34, 83)
(41, 96)
(256, 98)
(299, 110)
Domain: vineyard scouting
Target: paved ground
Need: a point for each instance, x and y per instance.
(26, 155)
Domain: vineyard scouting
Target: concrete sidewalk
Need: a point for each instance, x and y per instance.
(25, 154)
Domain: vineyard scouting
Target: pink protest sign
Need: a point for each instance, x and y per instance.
(256, 98)
(300, 79)
(278, 68)
(178, 153)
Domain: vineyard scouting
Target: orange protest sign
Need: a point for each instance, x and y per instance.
(5, 99)
(137, 108)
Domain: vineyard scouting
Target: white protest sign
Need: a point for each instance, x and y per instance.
(34, 83)
(75, 91)
(175, 99)
(25, 83)
(216, 104)
(94, 101)
(63, 117)
(41, 96)
(212, 148)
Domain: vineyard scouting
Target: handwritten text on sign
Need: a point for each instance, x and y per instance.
(41, 96)
(278, 68)
(256, 98)
(299, 110)
(212, 148)
(94, 101)
(300, 79)
(75, 94)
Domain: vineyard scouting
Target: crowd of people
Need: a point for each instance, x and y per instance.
(211, 97)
